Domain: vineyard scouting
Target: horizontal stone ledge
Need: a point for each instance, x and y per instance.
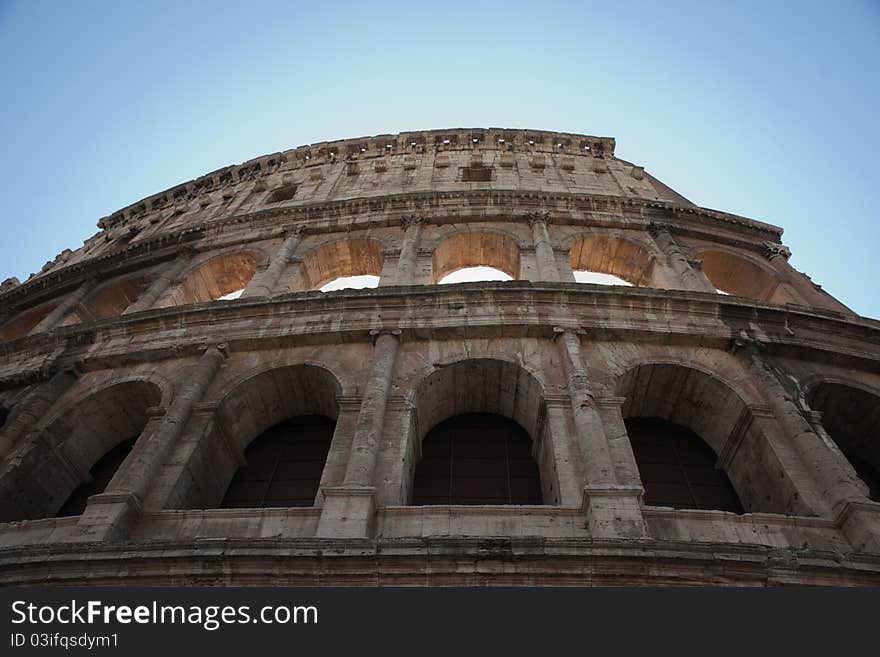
(607, 313)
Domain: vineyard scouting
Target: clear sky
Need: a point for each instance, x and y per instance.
(767, 109)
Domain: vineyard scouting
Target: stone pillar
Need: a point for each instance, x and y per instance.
(340, 446)
(625, 468)
(28, 412)
(349, 508)
(109, 516)
(854, 514)
(63, 309)
(688, 274)
(409, 250)
(169, 276)
(264, 283)
(544, 256)
(613, 510)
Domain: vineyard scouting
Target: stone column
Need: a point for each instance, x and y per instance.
(110, 515)
(834, 482)
(28, 411)
(613, 509)
(169, 276)
(688, 275)
(854, 514)
(544, 256)
(264, 283)
(409, 250)
(63, 309)
(340, 446)
(349, 508)
(625, 468)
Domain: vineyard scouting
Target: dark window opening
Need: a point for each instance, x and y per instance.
(477, 458)
(102, 472)
(678, 468)
(284, 465)
(867, 474)
(476, 174)
(4, 413)
(282, 194)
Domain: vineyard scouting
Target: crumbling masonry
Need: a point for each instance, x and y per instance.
(525, 432)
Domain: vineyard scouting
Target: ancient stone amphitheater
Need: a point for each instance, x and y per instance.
(709, 417)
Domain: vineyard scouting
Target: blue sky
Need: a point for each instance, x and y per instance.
(765, 109)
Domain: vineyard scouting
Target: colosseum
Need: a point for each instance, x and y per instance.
(645, 392)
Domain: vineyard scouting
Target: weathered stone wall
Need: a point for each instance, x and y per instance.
(125, 336)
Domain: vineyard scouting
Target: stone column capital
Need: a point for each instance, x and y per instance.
(375, 334)
(294, 230)
(541, 216)
(772, 250)
(655, 229)
(408, 220)
(560, 331)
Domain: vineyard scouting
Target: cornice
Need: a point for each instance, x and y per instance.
(502, 139)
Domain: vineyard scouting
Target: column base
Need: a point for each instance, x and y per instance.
(108, 517)
(614, 511)
(348, 512)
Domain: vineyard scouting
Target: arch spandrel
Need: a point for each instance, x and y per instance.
(476, 249)
(216, 276)
(622, 257)
(738, 274)
(362, 256)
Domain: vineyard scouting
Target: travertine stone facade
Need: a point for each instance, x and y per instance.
(128, 336)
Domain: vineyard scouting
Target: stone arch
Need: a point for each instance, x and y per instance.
(616, 256)
(488, 387)
(851, 417)
(24, 322)
(49, 467)
(110, 299)
(216, 277)
(341, 259)
(483, 248)
(738, 275)
(710, 408)
(260, 405)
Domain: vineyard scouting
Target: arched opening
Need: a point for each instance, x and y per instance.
(346, 264)
(100, 475)
(738, 276)
(223, 276)
(351, 283)
(23, 323)
(677, 467)
(480, 437)
(607, 260)
(110, 300)
(496, 256)
(76, 448)
(474, 274)
(284, 465)
(477, 458)
(282, 422)
(851, 417)
(670, 407)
